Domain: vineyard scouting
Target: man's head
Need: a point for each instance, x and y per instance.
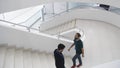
(61, 47)
(77, 35)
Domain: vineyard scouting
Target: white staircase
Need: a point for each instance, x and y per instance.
(9, 58)
(12, 57)
(36, 60)
(2, 56)
(19, 58)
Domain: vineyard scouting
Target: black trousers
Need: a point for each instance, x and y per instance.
(77, 56)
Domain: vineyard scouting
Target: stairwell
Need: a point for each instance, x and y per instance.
(13, 57)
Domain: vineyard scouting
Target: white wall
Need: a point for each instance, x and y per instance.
(10, 5)
(85, 14)
(101, 45)
(27, 40)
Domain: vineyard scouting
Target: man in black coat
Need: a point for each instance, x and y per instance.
(59, 58)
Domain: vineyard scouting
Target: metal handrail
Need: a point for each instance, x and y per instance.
(85, 5)
(13, 23)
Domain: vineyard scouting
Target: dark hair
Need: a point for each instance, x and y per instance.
(79, 35)
(61, 46)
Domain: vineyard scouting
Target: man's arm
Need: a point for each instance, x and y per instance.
(82, 52)
(71, 47)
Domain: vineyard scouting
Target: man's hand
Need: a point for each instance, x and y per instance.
(69, 49)
(83, 55)
(83, 52)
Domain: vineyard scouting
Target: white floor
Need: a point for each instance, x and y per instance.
(114, 64)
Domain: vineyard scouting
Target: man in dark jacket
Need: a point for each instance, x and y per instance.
(59, 58)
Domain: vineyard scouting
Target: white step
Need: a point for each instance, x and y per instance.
(36, 60)
(2, 55)
(9, 58)
(27, 60)
(70, 61)
(19, 58)
(43, 61)
(51, 61)
(67, 62)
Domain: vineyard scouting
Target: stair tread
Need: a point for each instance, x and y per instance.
(19, 58)
(9, 58)
(27, 59)
(2, 55)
